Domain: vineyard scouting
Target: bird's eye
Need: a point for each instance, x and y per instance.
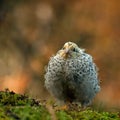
(74, 49)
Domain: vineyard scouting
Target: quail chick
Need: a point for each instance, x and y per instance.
(71, 75)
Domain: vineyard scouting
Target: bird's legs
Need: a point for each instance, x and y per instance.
(63, 106)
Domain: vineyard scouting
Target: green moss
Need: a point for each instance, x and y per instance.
(10, 98)
(2, 115)
(62, 115)
(24, 113)
(20, 107)
(87, 115)
(31, 113)
(16, 107)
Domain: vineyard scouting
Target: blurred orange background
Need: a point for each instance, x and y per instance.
(33, 30)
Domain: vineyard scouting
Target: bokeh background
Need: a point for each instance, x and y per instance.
(33, 30)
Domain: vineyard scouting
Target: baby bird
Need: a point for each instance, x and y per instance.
(71, 75)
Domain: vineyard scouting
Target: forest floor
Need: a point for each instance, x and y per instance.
(21, 107)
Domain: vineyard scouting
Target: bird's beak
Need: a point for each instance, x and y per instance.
(67, 51)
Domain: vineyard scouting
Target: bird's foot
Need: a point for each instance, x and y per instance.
(74, 107)
(58, 108)
(77, 107)
(69, 106)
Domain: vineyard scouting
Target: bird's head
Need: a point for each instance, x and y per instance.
(70, 50)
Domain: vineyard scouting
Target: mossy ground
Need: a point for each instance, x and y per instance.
(20, 107)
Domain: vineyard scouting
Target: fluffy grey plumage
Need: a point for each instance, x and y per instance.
(72, 76)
